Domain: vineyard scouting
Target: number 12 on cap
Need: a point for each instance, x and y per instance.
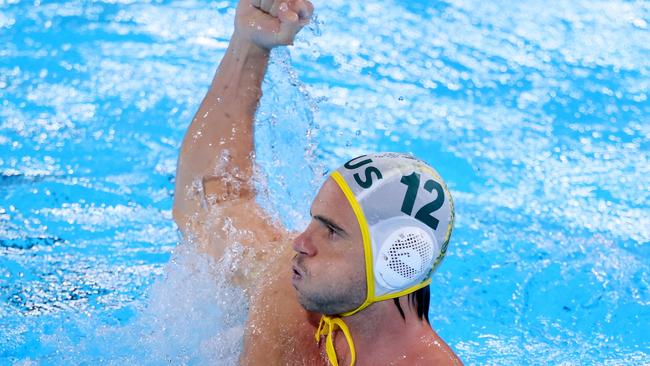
(424, 214)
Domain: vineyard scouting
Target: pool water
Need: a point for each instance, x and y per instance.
(536, 113)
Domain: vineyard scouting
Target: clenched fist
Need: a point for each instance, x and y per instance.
(271, 23)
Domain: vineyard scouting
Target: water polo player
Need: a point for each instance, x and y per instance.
(353, 287)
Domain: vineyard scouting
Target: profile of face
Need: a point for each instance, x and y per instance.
(329, 265)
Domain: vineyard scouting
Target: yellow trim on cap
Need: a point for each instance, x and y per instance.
(367, 246)
(452, 213)
(403, 292)
(450, 225)
(365, 235)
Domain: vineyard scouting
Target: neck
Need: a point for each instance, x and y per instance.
(379, 330)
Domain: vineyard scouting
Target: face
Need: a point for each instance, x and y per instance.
(329, 265)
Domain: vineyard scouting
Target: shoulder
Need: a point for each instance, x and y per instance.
(279, 330)
(239, 231)
(272, 294)
(433, 350)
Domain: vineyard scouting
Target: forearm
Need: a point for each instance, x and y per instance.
(223, 126)
(217, 149)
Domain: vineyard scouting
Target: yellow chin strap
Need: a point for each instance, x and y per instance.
(327, 326)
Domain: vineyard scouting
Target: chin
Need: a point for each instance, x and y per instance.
(306, 303)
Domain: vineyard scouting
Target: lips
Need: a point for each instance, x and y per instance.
(296, 273)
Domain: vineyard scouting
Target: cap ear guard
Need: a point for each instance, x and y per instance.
(405, 257)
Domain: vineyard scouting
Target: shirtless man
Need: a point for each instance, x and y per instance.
(353, 287)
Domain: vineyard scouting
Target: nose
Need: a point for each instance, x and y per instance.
(303, 244)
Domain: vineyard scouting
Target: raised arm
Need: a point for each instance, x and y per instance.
(215, 163)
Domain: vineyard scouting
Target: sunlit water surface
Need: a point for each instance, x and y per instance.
(535, 112)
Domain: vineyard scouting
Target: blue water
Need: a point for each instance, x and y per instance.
(536, 113)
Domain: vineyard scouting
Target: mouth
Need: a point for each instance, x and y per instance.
(296, 274)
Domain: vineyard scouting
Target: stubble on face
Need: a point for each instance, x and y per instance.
(331, 293)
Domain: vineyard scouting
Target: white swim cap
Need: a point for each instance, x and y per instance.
(406, 215)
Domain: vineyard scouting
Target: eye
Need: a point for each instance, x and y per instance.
(330, 232)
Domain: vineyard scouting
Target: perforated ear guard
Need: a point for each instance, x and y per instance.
(405, 254)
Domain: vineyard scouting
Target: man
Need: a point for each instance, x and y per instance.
(354, 289)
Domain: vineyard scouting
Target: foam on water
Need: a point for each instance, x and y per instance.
(193, 315)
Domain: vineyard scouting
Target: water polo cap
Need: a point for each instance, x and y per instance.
(406, 215)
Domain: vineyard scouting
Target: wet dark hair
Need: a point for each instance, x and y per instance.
(420, 299)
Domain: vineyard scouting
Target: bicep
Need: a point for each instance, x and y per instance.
(195, 197)
(203, 178)
(218, 210)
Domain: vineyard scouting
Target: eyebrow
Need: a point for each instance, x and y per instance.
(330, 223)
